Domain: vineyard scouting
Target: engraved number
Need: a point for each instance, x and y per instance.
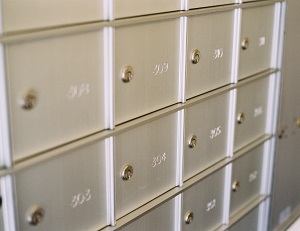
(80, 198)
(258, 111)
(253, 176)
(218, 53)
(157, 160)
(160, 68)
(215, 132)
(210, 205)
(77, 91)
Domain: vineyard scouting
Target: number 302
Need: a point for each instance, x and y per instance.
(80, 198)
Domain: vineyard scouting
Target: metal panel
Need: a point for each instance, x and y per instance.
(209, 52)
(205, 201)
(287, 177)
(56, 92)
(251, 112)
(21, 15)
(151, 151)
(129, 8)
(247, 172)
(150, 52)
(208, 122)
(67, 192)
(205, 3)
(248, 223)
(256, 41)
(161, 218)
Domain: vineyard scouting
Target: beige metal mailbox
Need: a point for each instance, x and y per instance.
(146, 68)
(129, 8)
(205, 3)
(56, 90)
(252, 221)
(29, 14)
(256, 41)
(145, 163)
(203, 203)
(206, 134)
(161, 218)
(64, 193)
(247, 172)
(209, 52)
(251, 112)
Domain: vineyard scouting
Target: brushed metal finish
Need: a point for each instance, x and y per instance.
(257, 56)
(209, 121)
(34, 14)
(128, 8)
(161, 218)
(252, 111)
(247, 172)
(69, 188)
(247, 223)
(156, 69)
(287, 177)
(215, 42)
(152, 151)
(206, 200)
(69, 87)
(205, 3)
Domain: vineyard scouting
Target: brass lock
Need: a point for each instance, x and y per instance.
(127, 172)
(235, 185)
(35, 215)
(245, 43)
(195, 56)
(127, 74)
(28, 100)
(188, 218)
(240, 118)
(192, 141)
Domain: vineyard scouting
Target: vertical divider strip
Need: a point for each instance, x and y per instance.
(236, 44)
(231, 123)
(227, 193)
(180, 146)
(110, 181)
(178, 212)
(182, 59)
(9, 208)
(5, 142)
(109, 77)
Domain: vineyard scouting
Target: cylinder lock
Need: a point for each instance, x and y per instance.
(127, 172)
(127, 74)
(28, 99)
(35, 215)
